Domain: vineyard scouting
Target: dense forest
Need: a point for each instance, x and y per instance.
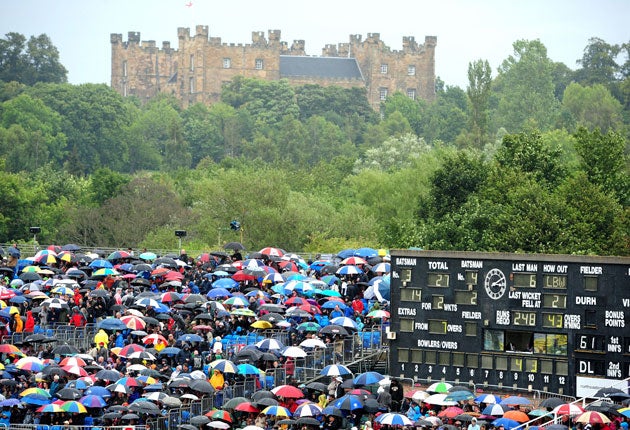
(532, 157)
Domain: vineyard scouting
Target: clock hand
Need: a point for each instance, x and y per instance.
(496, 283)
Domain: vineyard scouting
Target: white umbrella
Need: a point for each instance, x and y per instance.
(294, 351)
(312, 343)
(438, 399)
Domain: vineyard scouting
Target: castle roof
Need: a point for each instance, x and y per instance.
(319, 67)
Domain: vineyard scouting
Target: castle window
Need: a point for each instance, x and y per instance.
(259, 64)
(192, 62)
(227, 63)
(124, 89)
(411, 70)
(383, 94)
(384, 69)
(411, 93)
(192, 85)
(124, 70)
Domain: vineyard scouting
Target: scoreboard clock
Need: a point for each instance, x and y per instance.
(555, 323)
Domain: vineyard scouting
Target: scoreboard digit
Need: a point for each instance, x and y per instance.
(542, 322)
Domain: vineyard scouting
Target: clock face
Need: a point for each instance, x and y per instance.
(495, 284)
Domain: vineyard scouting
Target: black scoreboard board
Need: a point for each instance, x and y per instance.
(556, 323)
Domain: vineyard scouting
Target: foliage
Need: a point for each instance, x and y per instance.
(525, 95)
(593, 107)
(393, 154)
(29, 62)
(478, 92)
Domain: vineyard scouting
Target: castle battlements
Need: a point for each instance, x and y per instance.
(195, 70)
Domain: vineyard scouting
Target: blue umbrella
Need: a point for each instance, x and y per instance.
(345, 253)
(331, 410)
(18, 299)
(495, 410)
(348, 403)
(190, 337)
(487, 399)
(394, 419)
(215, 293)
(349, 270)
(111, 324)
(247, 369)
(331, 304)
(10, 402)
(227, 283)
(366, 253)
(505, 422)
(101, 264)
(516, 400)
(220, 274)
(269, 344)
(35, 399)
(169, 351)
(367, 378)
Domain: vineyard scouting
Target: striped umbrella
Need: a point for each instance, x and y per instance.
(93, 401)
(133, 322)
(308, 410)
(335, 370)
(32, 364)
(73, 406)
(276, 411)
(224, 366)
(35, 391)
(394, 419)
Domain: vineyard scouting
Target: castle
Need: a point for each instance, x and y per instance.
(197, 69)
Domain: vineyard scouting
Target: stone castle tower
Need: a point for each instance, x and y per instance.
(197, 69)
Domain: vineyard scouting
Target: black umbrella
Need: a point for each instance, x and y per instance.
(371, 405)
(13, 252)
(248, 354)
(65, 349)
(334, 329)
(29, 276)
(70, 247)
(7, 271)
(266, 401)
(317, 386)
(552, 402)
(166, 262)
(69, 394)
(53, 370)
(195, 298)
(111, 415)
(236, 246)
(108, 375)
(262, 394)
(272, 317)
(99, 293)
(37, 338)
(188, 426)
(144, 407)
(202, 386)
(603, 406)
(130, 417)
(199, 420)
(609, 392)
(307, 421)
(118, 408)
(150, 320)
(234, 402)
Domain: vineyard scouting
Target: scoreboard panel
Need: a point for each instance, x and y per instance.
(530, 321)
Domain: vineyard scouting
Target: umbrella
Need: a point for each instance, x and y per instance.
(224, 366)
(127, 350)
(458, 396)
(190, 337)
(234, 402)
(130, 416)
(367, 378)
(111, 324)
(334, 329)
(307, 421)
(202, 386)
(32, 364)
(97, 390)
(248, 369)
(93, 401)
(450, 412)
(288, 391)
(133, 322)
(73, 406)
(108, 375)
(65, 349)
(294, 351)
(7, 348)
(50, 408)
(348, 403)
(144, 407)
(519, 416)
(394, 419)
(276, 411)
(245, 407)
(199, 420)
(516, 400)
(317, 386)
(487, 399)
(592, 417)
(35, 391)
(68, 394)
(507, 423)
(335, 370)
(332, 410)
(308, 410)
(219, 414)
(219, 425)
(438, 399)
(269, 345)
(495, 410)
(570, 409)
(236, 246)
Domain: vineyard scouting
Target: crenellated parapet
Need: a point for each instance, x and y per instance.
(196, 69)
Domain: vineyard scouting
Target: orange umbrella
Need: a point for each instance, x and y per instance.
(519, 416)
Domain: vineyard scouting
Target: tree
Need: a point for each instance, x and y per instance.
(30, 62)
(598, 63)
(395, 153)
(526, 98)
(593, 107)
(604, 161)
(408, 108)
(478, 92)
(203, 133)
(527, 153)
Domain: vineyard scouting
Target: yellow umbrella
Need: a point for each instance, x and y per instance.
(34, 269)
(262, 324)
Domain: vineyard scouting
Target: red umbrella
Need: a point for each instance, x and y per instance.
(450, 412)
(7, 348)
(242, 276)
(219, 414)
(130, 349)
(133, 322)
(246, 407)
(570, 409)
(288, 391)
(160, 271)
(154, 339)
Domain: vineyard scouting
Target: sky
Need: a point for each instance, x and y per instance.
(466, 30)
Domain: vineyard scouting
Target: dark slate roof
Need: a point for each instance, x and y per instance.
(319, 67)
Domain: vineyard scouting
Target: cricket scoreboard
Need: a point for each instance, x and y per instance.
(556, 323)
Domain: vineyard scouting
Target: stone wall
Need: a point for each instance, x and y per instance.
(197, 69)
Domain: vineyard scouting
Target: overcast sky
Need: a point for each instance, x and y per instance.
(467, 30)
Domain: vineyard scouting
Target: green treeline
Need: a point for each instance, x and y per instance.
(532, 158)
